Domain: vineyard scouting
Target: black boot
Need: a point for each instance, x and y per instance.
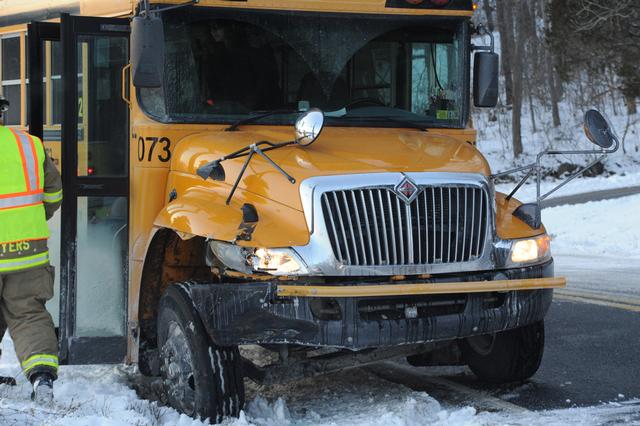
(42, 388)
(6, 380)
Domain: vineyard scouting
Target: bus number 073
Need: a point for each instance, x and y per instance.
(146, 147)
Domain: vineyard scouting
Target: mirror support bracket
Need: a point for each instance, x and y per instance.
(255, 149)
(481, 30)
(531, 213)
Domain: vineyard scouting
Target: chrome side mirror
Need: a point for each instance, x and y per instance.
(597, 129)
(309, 126)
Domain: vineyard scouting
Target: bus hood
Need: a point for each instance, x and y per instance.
(337, 151)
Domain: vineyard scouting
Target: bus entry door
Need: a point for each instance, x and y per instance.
(82, 107)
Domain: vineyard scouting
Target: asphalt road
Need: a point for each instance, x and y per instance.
(592, 351)
(605, 194)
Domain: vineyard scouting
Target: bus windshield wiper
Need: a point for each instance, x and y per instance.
(259, 115)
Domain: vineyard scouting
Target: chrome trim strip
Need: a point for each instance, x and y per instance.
(366, 221)
(356, 210)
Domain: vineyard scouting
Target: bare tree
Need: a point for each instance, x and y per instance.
(488, 8)
(505, 27)
(517, 74)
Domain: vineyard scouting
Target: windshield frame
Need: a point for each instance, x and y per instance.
(461, 25)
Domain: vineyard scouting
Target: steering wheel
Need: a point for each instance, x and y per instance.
(360, 102)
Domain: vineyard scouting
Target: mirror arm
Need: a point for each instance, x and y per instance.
(572, 177)
(237, 182)
(278, 168)
(481, 30)
(255, 149)
(519, 185)
(601, 152)
(512, 171)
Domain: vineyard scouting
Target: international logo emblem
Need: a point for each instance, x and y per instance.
(407, 190)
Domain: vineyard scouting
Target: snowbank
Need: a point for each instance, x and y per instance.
(608, 227)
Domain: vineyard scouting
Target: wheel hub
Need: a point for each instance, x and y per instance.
(482, 344)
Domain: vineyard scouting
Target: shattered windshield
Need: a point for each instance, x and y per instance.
(223, 66)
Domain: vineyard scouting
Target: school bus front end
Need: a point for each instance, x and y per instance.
(320, 195)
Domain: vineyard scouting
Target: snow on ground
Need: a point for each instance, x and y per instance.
(608, 227)
(85, 395)
(92, 395)
(98, 395)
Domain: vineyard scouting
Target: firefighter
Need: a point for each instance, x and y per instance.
(30, 193)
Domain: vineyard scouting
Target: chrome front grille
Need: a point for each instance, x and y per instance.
(373, 227)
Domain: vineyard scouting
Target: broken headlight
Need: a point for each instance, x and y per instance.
(274, 261)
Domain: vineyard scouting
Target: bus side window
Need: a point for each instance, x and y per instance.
(11, 78)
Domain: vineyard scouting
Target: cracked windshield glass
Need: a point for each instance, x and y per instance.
(367, 71)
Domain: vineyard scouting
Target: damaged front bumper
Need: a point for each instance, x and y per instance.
(359, 315)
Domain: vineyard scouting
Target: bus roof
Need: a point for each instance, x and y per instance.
(16, 12)
(404, 7)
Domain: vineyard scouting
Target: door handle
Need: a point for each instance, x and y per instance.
(123, 94)
(95, 186)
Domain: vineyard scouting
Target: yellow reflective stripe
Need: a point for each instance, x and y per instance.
(9, 265)
(53, 197)
(47, 360)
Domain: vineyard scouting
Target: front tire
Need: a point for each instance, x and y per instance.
(505, 357)
(199, 378)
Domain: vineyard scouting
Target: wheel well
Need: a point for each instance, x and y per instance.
(169, 259)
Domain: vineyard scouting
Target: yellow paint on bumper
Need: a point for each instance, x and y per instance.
(420, 288)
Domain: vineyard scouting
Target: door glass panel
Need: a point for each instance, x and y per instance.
(53, 305)
(101, 271)
(102, 143)
(51, 138)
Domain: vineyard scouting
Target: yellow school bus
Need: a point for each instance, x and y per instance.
(296, 179)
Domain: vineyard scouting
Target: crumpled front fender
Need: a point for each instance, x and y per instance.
(199, 208)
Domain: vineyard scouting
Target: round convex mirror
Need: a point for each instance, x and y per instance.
(308, 126)
(597, 129)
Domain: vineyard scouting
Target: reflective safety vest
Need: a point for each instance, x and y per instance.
(23, 225)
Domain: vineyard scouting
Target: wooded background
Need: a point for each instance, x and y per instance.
(583, 53)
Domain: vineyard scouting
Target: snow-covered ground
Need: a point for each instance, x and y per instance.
(90, 395)
(608, 228)
(98, 395)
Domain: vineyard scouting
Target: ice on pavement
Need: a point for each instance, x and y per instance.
(99, 395)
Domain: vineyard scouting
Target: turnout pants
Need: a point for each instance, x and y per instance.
(22, 310)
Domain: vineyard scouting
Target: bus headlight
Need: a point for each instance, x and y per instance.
(530, 250)
(276, 261)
